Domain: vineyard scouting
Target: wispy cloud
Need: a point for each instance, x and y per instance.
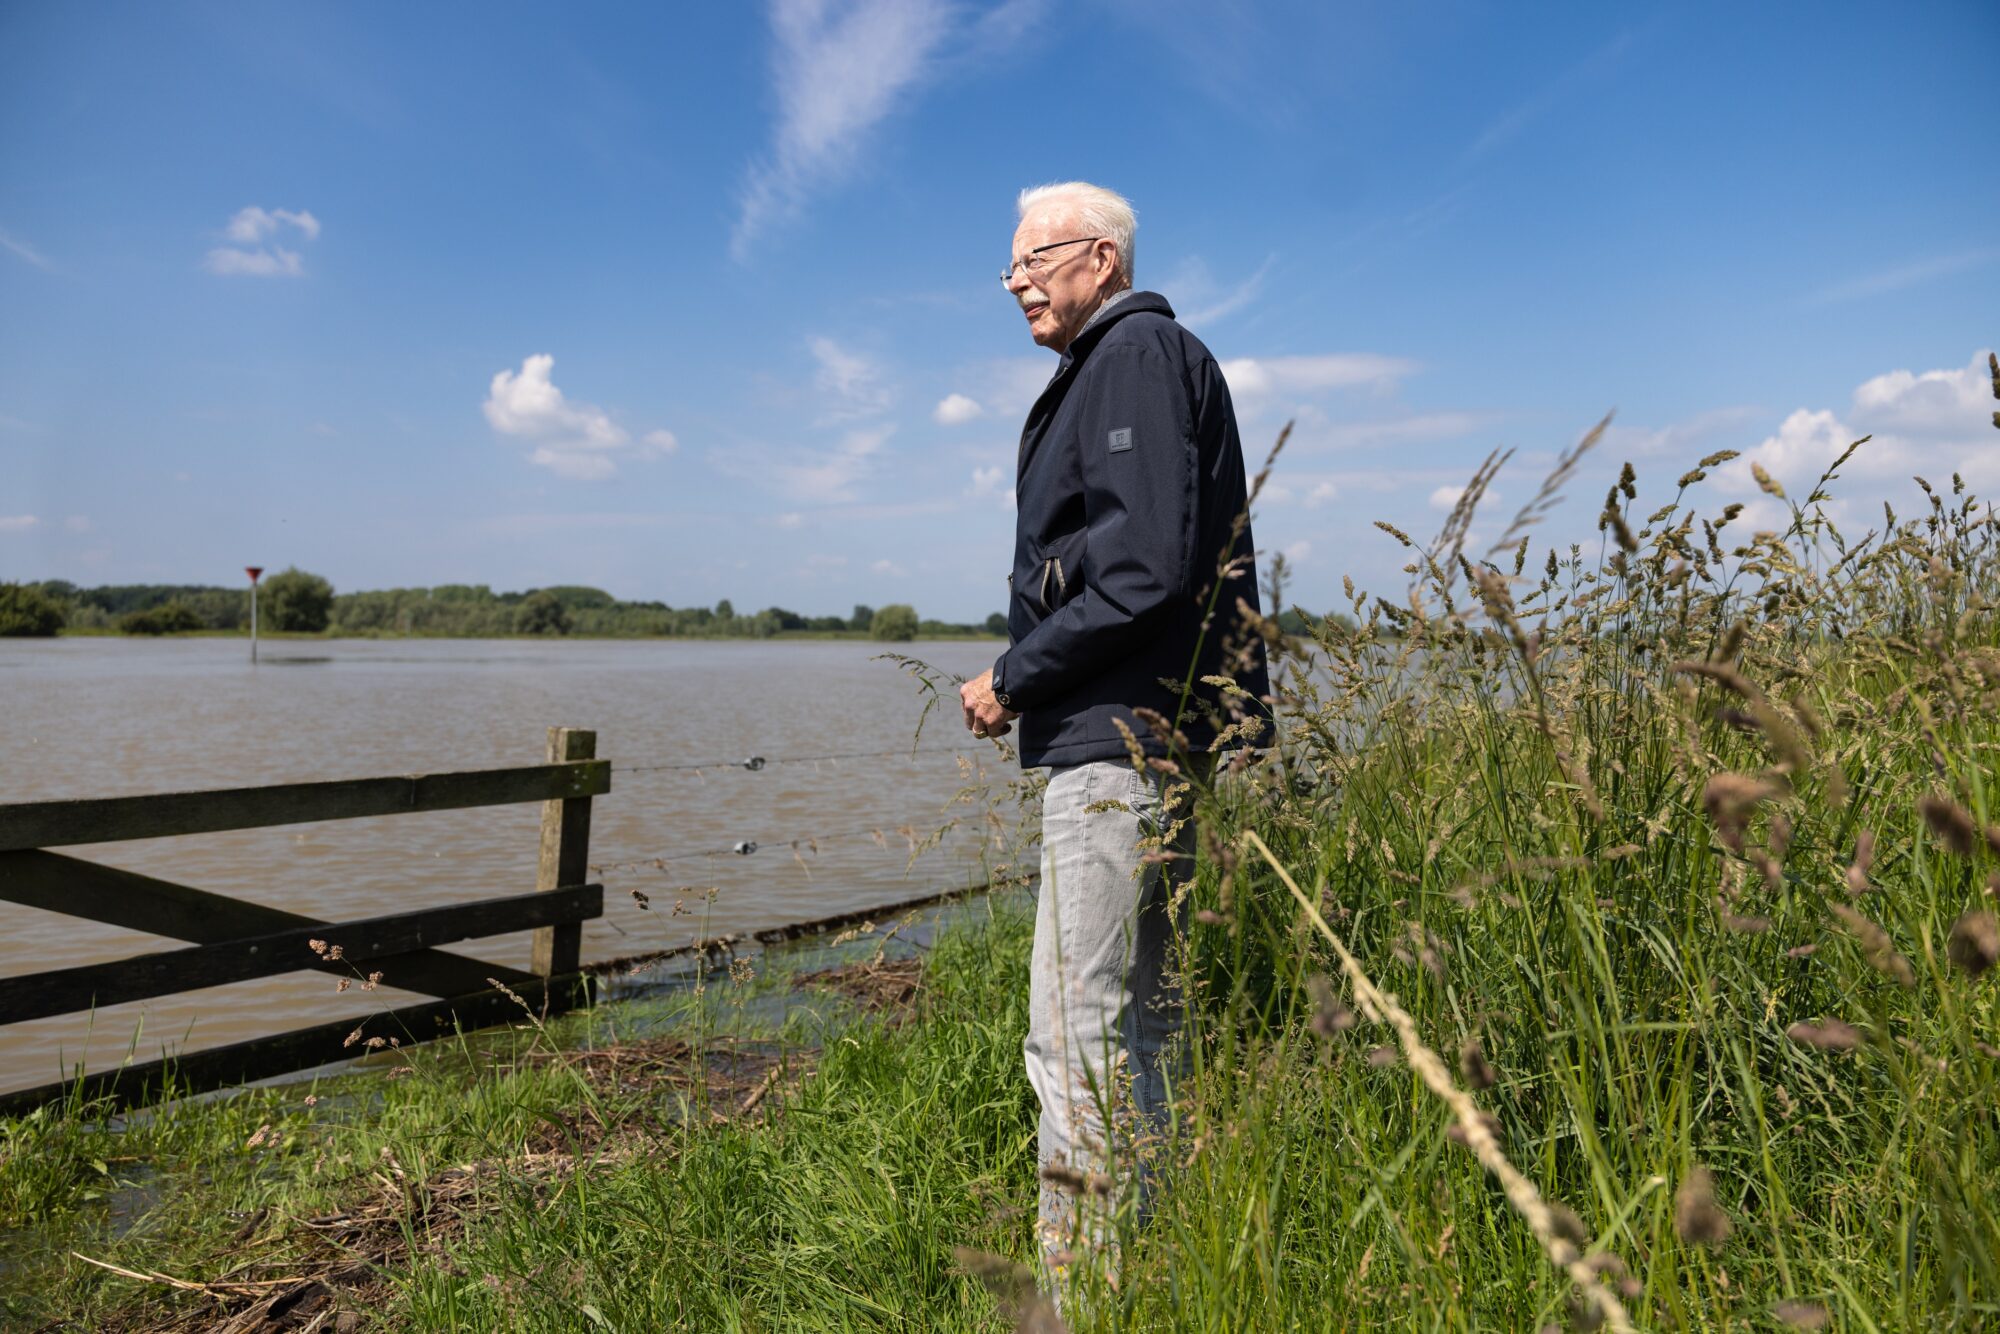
(852, 383)
(249, 255)
(813, 476)
(991, 484)
(570, 439)
(26, 252)
(1250, 377)
(1586, 71)
(1412, 429)
(18, 523)
(1905, 275)
(839, 69)
(1200, 301)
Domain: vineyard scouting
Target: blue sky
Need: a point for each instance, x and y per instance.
(693, 302)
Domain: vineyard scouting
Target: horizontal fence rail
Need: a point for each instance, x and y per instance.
(233, 940)
(49, 824)
(354, 949)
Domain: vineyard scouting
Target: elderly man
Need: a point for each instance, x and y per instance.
(1131, 553)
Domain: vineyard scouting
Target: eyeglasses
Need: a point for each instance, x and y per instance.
(1034, 263)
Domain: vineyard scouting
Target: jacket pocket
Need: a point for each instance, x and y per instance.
(1061, 574)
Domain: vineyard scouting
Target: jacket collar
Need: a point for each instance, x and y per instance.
(1113, 310)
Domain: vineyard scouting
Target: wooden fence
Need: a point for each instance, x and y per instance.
(234, 940)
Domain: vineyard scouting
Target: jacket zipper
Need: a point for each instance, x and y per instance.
(1053, 566)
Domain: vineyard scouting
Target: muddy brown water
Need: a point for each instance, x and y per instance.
(102, 717)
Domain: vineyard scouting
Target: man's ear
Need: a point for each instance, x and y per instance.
(1104, 261)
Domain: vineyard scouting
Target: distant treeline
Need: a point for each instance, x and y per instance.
(301, 602)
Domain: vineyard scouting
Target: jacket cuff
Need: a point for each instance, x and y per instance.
(1001, 694)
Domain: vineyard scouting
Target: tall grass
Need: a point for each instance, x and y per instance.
(1687, 846)
(1608, 938)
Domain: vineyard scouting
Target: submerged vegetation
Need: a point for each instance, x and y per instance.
(1609, 939)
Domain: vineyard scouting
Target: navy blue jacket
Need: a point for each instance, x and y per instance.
(1129, 488)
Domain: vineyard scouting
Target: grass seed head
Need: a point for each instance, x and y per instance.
(1974, 946)
(1952, 823)
(1801, 1315)
(1876, 945)
(1731, 799)
(1472, 1063)
(1698, 1219)
(1329, 1015)
(1827, 1035)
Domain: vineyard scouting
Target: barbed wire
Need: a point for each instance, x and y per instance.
(877, 832)
(753, 763)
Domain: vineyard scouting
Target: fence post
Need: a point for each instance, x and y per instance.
(565, 862)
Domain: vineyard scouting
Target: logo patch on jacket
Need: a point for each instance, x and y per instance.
(1121, 439)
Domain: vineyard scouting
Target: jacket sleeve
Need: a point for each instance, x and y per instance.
(1136, 435)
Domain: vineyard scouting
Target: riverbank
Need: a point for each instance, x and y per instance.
(736, 1154)
(330, 636)
(1610, 942)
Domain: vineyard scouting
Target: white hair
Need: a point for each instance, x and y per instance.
(1103, 212)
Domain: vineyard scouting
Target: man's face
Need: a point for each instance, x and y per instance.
(1059, 300)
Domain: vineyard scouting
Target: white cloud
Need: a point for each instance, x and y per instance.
(839, 70)
(821, 476)
(1008, 386)
(1445, 498)
(77, 523)
(889, 568)
(576, 440)
(991, 484)
(251, 225)
(1323, 494)
(1297, 552)
(955, 410)
(852, 383)
(1316, 429)
(820, 561)
(274, 262)
(1932, 424)
(18, 523)
(792, 519)
(249, 256)
(26, 252)
(662, 441)
(1681, 438)
(1252, 377)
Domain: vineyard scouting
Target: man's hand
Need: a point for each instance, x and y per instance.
(983, 714)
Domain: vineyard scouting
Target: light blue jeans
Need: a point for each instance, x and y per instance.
(1104, 997)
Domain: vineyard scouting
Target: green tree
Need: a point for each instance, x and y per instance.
(725, 610)
(541, 613)
(863, 618)
(297, 601)
(29, 612)
(996, 624)
(897, 622)
(169, 618)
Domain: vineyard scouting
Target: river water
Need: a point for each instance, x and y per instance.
(100, 717)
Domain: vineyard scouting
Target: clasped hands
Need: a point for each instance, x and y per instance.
(984, 715)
